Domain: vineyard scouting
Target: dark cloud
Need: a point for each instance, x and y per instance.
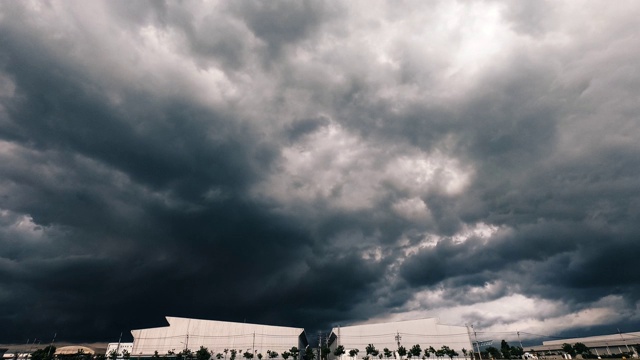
(308, 164)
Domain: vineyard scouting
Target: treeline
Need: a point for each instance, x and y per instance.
(415, 352)
(227, 354)
(586, 353)
(505, 351)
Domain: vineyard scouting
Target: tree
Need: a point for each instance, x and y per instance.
(505, 349)
(113, 355)
(387, 353)
(285, 355)
(44, 354)
(203, 353)
(493, 352)
(324, 352)
(353, 352)
(309, 354)
(294, 352)
(247, 355)
(225, 353)
(568, 349)
(125, 354)
(272, 354)
(259, 356)
(219, 356)
(185, 354)
(155, 355)
(582, 349)
(440, 353)
(371, 350)
(402, 351)
(415, 350)
(339, 351)
(448, 351)
(234, 353)
(516, 351)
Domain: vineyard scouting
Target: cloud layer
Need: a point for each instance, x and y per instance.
(318, 163)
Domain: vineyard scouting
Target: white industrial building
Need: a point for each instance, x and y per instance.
(216, 336)
(424, 332)
(599, 345)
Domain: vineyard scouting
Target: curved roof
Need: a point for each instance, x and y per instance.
(74, 349)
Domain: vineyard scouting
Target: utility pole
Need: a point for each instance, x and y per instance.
(473, 349)
(398, 338)
(118, 347)
(319, 345)
(621, 337)
(518, 332)
(51, 346)
(477, 343)
(31, 347)
(26, 347)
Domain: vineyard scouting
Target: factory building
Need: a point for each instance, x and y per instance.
(216, 336)
(601, 345)
(391, 335)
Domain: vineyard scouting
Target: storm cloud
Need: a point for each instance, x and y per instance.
(311, 163)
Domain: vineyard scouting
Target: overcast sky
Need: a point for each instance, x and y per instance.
(310, 163)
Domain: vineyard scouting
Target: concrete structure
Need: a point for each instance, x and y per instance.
(611, 344)
(216, 336)
(424, 332)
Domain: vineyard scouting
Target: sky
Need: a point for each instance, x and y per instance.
(319, 163)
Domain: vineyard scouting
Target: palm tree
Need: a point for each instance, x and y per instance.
(203, 353)
(294, 352)
(416, 350)
(353, 353)
(387, 353)
(371, 350)
(402, 351)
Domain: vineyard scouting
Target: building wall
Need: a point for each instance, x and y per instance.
(424, 332)
(216, 336)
